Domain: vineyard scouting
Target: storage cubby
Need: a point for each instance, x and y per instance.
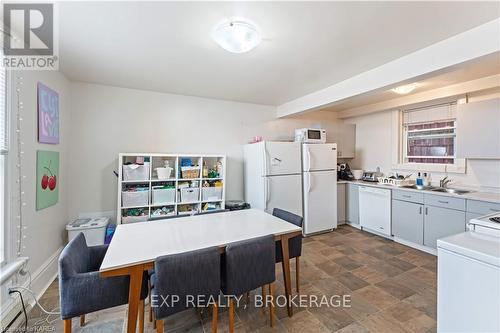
(148, 189)
(211, 206)
(163, 168)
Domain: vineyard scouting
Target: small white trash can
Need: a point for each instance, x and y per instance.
(93, 229)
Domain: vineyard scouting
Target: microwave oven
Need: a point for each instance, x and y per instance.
(310, 135)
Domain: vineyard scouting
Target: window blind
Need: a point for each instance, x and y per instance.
(433, 113)
(4, 132)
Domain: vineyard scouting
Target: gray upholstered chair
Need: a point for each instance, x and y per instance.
(191, 274)
(247, 265)
(294, 243)
(82, 290)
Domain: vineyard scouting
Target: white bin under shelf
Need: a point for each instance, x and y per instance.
(136, 172)
(163, 196)
(211, 193)
(135, 198)
(190, 194)
(134, 219)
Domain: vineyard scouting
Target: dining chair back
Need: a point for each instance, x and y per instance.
(82, 290)
(294, 243)
(185, 277)
(247, 265)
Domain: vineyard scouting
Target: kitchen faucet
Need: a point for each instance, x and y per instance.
(444, 182)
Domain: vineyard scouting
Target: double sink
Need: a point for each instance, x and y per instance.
(438, 189)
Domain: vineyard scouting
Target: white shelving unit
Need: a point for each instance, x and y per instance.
(146, 177)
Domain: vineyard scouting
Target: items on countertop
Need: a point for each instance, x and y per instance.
(344, 171)
(372, 176)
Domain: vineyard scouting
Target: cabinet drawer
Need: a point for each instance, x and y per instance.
(408, 196)
(444, 201)
(482, 207)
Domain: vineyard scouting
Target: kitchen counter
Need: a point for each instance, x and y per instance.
(474, 195)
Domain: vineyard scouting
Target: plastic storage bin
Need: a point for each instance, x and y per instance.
(135, 198)
(163, 196)
(93, 229)
(136, 171)
(211, 193)
(134, 219)
(190, 194)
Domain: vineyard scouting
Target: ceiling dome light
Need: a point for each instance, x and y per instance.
(237, 35)
(406, 89)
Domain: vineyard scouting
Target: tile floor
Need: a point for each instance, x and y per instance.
(392, 289)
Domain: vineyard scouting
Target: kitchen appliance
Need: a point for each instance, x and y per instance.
(375, 209)
(310, 135)
(469, 273)
(344, 172)
(272, 176)
(319, 166)
(372, 176)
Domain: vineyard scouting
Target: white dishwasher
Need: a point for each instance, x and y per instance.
(375, 210)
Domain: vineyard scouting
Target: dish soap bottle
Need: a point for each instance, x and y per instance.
(427, 179)
(419, 179)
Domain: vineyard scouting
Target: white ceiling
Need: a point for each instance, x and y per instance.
(480, 67)
(166, 46)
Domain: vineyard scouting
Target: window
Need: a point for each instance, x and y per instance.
(4, 140)
(429, 135)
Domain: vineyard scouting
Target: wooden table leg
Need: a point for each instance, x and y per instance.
(134, 295)
(286, 272)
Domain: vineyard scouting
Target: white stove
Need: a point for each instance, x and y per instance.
(469, 278)
(489, 224)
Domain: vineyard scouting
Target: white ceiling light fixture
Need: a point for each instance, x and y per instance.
(406, 89)
(237, 35)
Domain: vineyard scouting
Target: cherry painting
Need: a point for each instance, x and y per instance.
(47, 192)
(49, 181)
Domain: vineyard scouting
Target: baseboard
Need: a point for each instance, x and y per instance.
(420, 247)
(354, 225)
(41, 279)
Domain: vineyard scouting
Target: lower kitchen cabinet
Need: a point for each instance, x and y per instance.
(441, 222)
(408, 221)
(341, 188)
(352, 203)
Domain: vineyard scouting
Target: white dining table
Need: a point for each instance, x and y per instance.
(135, 247)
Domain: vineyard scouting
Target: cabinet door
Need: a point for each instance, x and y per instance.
(441, 222)
(344, 136)
(408, 221)
(341, 205)
(348, 149)
(478, 133)
(352, 203)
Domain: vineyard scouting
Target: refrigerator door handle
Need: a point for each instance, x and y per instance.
(309, 183)
(265, 171)
(308, 159)
(267, 189)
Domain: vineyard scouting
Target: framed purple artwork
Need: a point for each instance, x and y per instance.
(48, 114)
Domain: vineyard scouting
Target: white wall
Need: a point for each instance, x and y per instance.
(109, 120)
(373, 149)
(45, 233)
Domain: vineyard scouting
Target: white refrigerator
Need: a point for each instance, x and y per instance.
(272, 176)
(319, 173)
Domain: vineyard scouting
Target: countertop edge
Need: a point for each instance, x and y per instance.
(475, 195)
